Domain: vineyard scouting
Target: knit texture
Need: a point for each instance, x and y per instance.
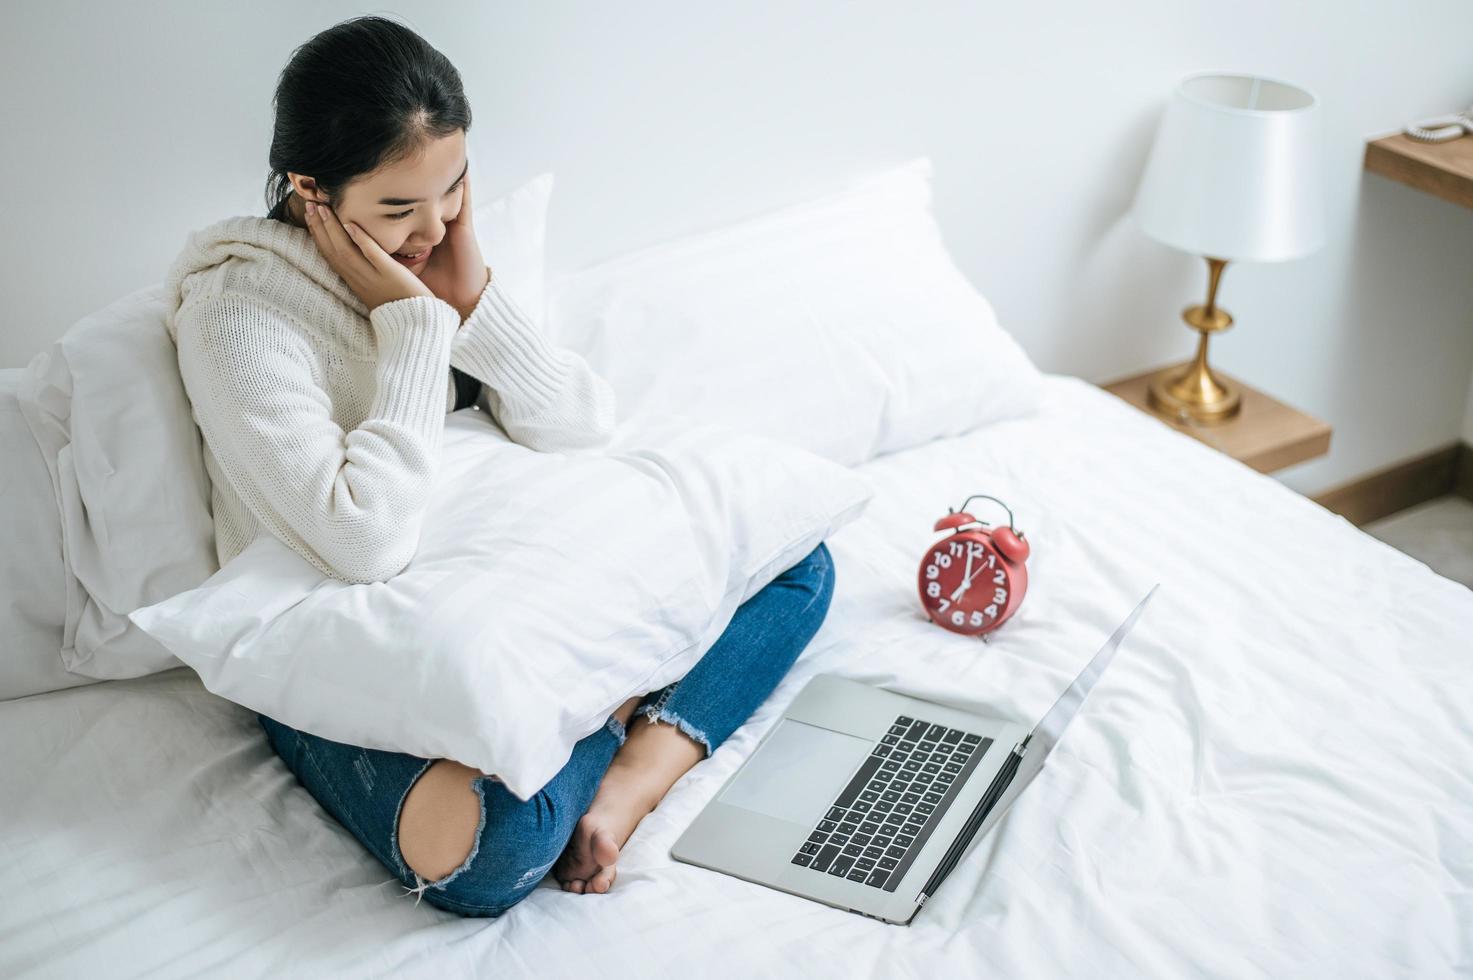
(322, 422)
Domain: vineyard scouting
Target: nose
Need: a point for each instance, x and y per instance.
(432, 230)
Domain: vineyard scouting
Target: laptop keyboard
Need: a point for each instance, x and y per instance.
(881, 819)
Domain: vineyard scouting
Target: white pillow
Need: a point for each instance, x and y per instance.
(547, 589)
(32, 607)
(840, 324)
(108, 409)
(512, 233)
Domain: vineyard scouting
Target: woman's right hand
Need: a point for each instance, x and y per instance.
(369, 271)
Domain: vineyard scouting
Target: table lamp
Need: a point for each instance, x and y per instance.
(1233, 175)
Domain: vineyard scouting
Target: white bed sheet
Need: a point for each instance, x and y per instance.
(1274, 779)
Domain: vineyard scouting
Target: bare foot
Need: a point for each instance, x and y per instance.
(589, 862)
(623, 799)
(586, 851)
(649, 762)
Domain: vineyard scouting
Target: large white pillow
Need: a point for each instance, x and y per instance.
(32, 604)
(547, 589)
(841, 325)
(108, 409)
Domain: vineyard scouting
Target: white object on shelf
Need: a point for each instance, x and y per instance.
(1440, 129)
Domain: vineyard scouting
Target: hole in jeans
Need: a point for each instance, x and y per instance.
(444, 814)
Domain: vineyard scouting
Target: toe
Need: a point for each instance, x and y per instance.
(604, 880)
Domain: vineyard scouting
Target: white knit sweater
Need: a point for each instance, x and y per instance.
(321, 422)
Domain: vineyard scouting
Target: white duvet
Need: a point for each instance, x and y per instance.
(1275, 777)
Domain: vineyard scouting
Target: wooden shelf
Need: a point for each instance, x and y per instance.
(1266, 434)
(1444, 169)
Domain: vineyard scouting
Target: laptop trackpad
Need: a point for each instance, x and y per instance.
(797, 772)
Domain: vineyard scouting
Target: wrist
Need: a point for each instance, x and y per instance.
(470, 306)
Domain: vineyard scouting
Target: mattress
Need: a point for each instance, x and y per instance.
(1275, 777)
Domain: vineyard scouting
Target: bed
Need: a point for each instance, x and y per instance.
(1274, 779)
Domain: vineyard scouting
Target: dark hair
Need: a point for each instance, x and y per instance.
(365, 93)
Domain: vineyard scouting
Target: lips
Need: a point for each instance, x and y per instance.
(416, 257)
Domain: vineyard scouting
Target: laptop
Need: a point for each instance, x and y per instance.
(865, 799)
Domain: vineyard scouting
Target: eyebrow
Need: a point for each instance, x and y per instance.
(416, 200)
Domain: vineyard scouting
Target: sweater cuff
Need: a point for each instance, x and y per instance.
(413, 359)
(500, 345)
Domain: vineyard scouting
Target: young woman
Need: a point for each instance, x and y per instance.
(321, 348)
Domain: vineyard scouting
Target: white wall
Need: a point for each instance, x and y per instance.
(129, 124)
(1468, 416)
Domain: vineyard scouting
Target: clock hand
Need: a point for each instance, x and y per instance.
(966, 584)
(966, 578)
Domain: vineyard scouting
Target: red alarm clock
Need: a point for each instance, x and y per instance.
(973, 580)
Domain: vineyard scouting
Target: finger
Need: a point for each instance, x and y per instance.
(330, 249)
(314, 225)
(336, 233)
(368, 247)
(462, 218)
(356, 238)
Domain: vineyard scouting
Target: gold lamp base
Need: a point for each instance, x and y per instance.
(1192, 393)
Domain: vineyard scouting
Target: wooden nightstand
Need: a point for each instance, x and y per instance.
(1266, 434)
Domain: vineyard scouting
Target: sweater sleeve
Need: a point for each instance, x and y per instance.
(546, 398)
(351, 502)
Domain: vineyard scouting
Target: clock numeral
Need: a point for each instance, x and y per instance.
(932, 571)
(933, 590)
(976, 618)
(1000, 596)
(958, 617)
(944, 604)
(976, 549)
(956, 548)
(991, 561)
(1000, 578)
(943, 560)
(991, 611)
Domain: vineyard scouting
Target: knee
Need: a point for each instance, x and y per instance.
(814, 575)
(512, 846)
(439, 819)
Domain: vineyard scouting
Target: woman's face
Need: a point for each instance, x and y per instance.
(404, 206)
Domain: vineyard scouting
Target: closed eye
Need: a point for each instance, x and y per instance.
(405, 214)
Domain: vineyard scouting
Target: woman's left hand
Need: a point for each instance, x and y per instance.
(456, 272)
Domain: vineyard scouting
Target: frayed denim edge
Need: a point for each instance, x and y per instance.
(657, 712)
(419, 883)
(616, 726)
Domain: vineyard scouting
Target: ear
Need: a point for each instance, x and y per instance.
(307, 189)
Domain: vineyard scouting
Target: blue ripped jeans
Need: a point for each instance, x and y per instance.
(518, 842)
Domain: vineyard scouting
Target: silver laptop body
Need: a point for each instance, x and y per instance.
(865, 800)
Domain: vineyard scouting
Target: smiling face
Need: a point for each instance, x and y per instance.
(404, 205)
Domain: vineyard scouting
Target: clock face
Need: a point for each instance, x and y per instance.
(965, 585)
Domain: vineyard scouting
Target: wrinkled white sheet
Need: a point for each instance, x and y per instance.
(1275, 778)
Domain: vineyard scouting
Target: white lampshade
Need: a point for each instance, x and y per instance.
(1235, 170)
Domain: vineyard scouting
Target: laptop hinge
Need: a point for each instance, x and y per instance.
(1000, 783)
